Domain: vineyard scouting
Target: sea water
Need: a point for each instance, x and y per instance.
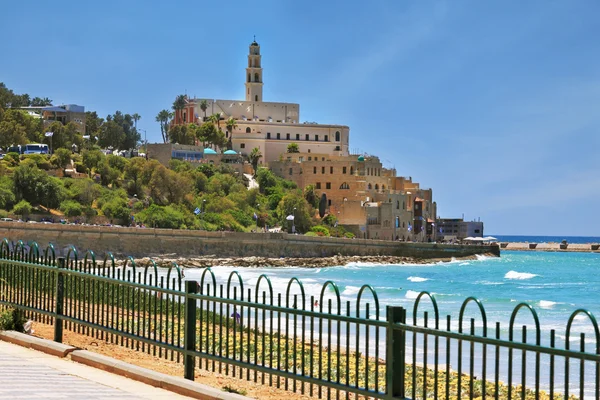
(554, 284)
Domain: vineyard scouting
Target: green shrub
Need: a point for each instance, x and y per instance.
(71, 208)
(312, 234)
(82, 169)
(349, 235)
(241, 217)
(320, 230)
(12, 319)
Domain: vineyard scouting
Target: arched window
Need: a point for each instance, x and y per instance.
(337, 136)
(345, 186)
(248, 77)
(369, 186)
(256, 77)
(382, 187)
(248, 130)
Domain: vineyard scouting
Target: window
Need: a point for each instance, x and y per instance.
(404, 205)
(297, 136)
(345, 186)
(322, 158)
(351, 170)
(268, 135)
(248, 130)
(309, 152)
(248, 81)
(337, 136)
(328, 185)
(316, 138)
(343, 170)
(287, 136)
(369, 186)
(376, 187)
(314, 170)
(322, 170)
(242, 145)
(291, 171)
(255, 97)
(397, 204)
(382, 187)
(331, 170)
(326, 138)
(318, 185)
(306, 137)
(337, 148)
(256, 77)
(278, 136)
(310, 159)
(329, 202)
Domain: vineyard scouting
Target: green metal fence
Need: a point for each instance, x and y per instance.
(319, 346)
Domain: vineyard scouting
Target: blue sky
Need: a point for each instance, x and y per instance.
(493, 104)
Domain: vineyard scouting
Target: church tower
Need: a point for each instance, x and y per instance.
(254, 82)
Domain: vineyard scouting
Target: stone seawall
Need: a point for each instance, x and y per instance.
(138, 242)
(568, 247)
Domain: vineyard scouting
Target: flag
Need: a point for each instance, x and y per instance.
(409, 227)
(197, 211)
(49, 134)
(290, 217)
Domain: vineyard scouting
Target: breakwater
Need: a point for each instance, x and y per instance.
(567, 247)
(141, 242)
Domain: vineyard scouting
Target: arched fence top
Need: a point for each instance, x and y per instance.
(34, 253)
(71, 253)
(436, 312)
(536, 319)
(5, 248)
(260, 279)
(375, 299)
(112, 271)
(463, 308)
(240, 281)
(213, 278)
(129, 260)
(594, 325)
(176, 266)
(50, 252)
(89, 255)
(20, 250)
(152, 264)
(287, 293)
(337, 295)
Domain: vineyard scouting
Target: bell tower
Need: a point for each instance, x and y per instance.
(254, 82)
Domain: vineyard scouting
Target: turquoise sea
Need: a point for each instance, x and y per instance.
(554, 284)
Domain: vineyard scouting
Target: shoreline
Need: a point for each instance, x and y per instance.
(165, 261)
(551, 247)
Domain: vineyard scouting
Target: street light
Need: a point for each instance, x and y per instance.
(294, 221)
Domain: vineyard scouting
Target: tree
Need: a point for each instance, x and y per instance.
(38, 102)
(91, 159)
(22, 208)
(34, 185)
(178, 106)
(204, 107)
(230, 125)
(134, 174)
(311, 195)
(216, 119)
(111, 135)
(181, 134)
(136, 117)
(167, 186)
(163, 118)
(161, 217)
(207, 132)
(254, 157)
(92, 124)
(294, 204)
(71, 208)
(62, 158)
(7, 196)
(293, 148)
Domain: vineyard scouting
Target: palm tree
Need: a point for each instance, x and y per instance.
(216, 119)
(203, 107)
(136, 117)
(179, 105)
(230, 125)
(293, 148)
(254, 156)
(163, 118)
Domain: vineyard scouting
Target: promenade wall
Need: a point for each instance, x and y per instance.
(567, 247)
(140, 242)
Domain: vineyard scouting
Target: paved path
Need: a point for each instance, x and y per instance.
(30, 374)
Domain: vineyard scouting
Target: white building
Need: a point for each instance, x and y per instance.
(270, 127)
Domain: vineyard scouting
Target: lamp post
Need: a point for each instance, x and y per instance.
(145, 141)
(202, 211)
(294, 221)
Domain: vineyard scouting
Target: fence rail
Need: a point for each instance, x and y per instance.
(315, 345)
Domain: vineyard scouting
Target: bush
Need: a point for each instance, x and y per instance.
(22, 208)
(12, 319)
(71, 208)
(161, 217)
(82, 169)
(320, 230)
(349, 235)
(241, 217)
(312, 234)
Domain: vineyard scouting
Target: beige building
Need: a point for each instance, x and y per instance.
(196, 155)
(269, 126)
(64, 114)
(367, 198)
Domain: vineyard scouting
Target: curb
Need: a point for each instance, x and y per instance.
(171, 383)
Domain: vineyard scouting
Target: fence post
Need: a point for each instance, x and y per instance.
(396, 353)
(189, 339)
(59, 302)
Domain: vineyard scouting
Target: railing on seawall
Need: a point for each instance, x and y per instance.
(318, 345)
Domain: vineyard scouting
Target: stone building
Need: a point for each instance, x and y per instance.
(366, 198)
(269, 126)
(64, 113)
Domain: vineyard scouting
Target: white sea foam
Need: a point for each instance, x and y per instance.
(350, 290)
(519, 275)
(547, 304)
(464, 263)
(411, 294)
(416, 279)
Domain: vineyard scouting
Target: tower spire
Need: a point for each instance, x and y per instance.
(254, 72)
